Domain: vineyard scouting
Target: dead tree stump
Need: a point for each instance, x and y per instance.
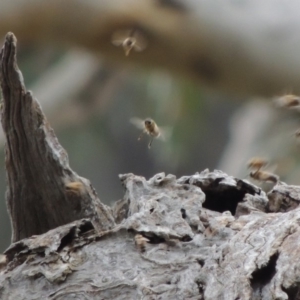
(43, 192)
(206, 236)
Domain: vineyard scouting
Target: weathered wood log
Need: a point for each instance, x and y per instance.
(206, 236)
(43, 191)
(192, 252)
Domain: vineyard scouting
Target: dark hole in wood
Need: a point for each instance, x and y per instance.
(153, 239)
(14, 249)
(262, 276)
(186, 187)
(223, 201)
(201, 262)
(186, 238)
(195, 228)
(42, 253)
(183, 213)
(293, 291)
(67, 239)
(201, 287)
(187, 181)
(156, 240)
(220, 198)
(151, 210)
(86, 226)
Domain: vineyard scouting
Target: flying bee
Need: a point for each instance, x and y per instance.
(256, 163)
(149, 127)
(3, 260)
(264, 176)
(140, 242)
(288, 101)
(129, 39)
(75, 188)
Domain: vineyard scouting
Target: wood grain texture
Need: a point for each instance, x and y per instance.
(43, 191)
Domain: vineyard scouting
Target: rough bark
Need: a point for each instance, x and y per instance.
(210, 236)
(246, 47)
(43, 191)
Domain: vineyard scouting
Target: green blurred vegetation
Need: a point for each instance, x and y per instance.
(102, 143)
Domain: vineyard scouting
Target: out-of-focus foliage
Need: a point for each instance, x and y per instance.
(93, 126)
(95, 130)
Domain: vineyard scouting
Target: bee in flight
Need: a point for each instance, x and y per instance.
(129, 39)
(149, 127)
(288, 101)
(141, 242)
(76, 189)
(264, 176)
(256, 164)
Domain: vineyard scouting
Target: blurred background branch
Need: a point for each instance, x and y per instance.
(204, 60)
(246, 47)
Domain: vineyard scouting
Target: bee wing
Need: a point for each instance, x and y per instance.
(138, 123)
(287, 101)
(141, 42)
(117, 42)
(139, 47)
(119, 36)
(257, 162)
(165, 133)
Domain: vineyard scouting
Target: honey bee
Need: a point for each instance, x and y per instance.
(288, 101)
(149, 127)
(75, 188)
(264, 176)
(140, 242)
(129, 39)
(3, 260)
(256, 163)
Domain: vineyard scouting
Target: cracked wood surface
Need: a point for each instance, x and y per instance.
(43, 192)
(193, 252)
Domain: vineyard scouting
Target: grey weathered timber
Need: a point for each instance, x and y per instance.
(43, 192)
(193, 252)
(206, 236)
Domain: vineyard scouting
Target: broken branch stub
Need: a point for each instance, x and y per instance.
(43, 191)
